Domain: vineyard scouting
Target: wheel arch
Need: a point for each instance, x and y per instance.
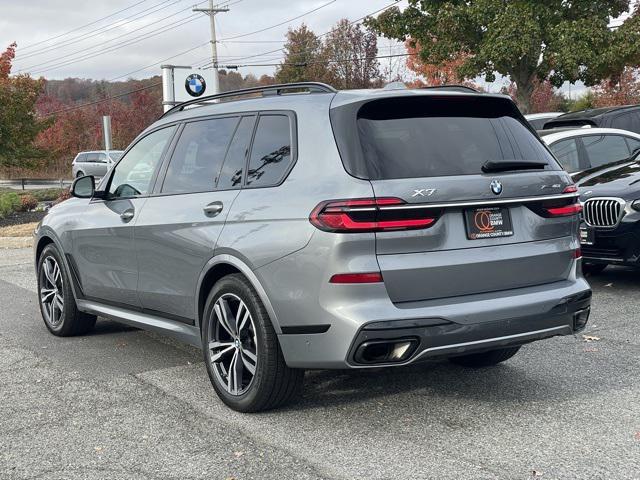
(217, 268)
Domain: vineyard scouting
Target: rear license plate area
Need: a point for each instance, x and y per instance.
(488, 222)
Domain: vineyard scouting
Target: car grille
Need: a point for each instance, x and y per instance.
(603, 212)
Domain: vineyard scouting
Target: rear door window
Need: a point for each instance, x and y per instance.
(633, 144)
(410, 137)
(198, 156)
(605, 149)
(566, 151)
(271, 151)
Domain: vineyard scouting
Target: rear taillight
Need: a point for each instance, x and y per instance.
(577, 253)
(570, 189)
(370, 215)
(566, 211)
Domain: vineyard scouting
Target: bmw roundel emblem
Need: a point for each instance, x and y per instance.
(496, 187)
(195, 85)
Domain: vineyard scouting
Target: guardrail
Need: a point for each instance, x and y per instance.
(32, 183)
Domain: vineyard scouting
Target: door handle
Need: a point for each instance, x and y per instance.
(127, 215)
(213, 209)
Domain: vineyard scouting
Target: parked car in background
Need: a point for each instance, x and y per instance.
(96, 162)
(610, 233)
(583, 149)
(281, 230)
(537, 120)
(624, 118)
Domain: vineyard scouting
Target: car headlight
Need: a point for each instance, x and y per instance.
(636, 205)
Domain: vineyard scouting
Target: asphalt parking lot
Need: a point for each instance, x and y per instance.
(123, 403)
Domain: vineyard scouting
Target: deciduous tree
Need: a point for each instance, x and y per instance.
(525, 40)
(19, 124)
(303, 54)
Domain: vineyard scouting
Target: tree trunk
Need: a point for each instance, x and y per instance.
(524, 91)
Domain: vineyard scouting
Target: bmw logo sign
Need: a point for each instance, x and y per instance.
(496, 187)
(195, 85)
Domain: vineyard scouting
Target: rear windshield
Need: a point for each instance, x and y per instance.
(410, 137)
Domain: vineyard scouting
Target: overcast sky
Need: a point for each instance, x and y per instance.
(60, 38)
(109, 48)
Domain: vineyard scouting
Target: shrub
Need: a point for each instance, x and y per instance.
(9, 203)
(64, 195)
(28, 203)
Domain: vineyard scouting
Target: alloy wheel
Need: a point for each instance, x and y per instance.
(232, 343)
(51, 292)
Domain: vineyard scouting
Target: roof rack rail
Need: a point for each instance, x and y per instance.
(311, 87)
(452, 88)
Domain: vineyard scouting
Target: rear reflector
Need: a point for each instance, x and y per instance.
(370, 215)
(577, 253)
(369, 277)
(565, 211)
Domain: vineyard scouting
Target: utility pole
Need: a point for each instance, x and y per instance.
(211, 11)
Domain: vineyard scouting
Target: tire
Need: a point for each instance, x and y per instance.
(80, 174)
(272, 383)
(485, 359)
(593, 268)
(55, 297)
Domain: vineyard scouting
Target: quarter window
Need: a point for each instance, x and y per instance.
(198, 156)
(604, 149)
(132, 176)
(271, 151)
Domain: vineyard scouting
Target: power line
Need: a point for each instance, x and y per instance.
(82, 26)
(100, 47)
(278, 24)
(320, 62)
(106, 99)
(395, 2)
(111, 26)
(118, 46)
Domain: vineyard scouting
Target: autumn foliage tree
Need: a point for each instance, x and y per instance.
(19, 124)
(433, 75)
(625, 90)
(527, 40)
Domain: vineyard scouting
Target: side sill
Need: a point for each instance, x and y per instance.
(176, 329)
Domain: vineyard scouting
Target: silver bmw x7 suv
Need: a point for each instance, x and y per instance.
(296, 226)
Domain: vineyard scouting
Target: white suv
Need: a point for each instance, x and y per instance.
(95, 163)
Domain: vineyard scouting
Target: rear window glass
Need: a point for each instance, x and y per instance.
(439, 136)
(566, 151)
(271, 151)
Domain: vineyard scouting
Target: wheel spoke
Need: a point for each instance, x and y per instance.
(59, 301)
(56, 272)
(243, 321)
(48, 272)
(232, 378)
(225, 317)
(249, 361)
(46, 294)
(220, 349)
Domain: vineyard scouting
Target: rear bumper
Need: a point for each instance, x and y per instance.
(620, 245)
(462, 325)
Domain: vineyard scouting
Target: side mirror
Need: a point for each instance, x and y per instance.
(83, 187)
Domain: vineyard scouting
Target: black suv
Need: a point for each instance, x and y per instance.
(625, 118)
(610, 232)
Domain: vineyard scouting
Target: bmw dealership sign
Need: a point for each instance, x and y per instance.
(181, 84)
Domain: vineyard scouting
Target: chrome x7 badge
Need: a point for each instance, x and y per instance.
(424, 192)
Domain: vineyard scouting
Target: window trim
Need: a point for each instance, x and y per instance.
(293, 138)
(105, 184)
